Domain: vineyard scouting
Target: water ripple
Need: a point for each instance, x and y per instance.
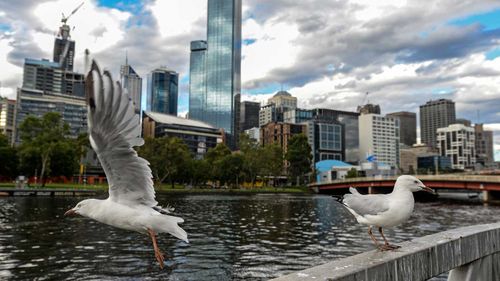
(232, 237)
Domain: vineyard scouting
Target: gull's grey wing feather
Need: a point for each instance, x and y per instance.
(371, 204)
(114, 129)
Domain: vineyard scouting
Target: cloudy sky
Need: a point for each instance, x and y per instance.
(327, 53)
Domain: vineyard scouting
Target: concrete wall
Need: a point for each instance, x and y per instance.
(419, 259)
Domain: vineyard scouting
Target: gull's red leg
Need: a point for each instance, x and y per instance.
(387, 246)
(158, 254)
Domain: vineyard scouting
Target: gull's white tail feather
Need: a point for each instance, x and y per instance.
(353, 190)
(169, 224)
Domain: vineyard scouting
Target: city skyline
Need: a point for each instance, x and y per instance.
(403, 57)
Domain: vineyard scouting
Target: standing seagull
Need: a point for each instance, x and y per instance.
(384, 210)
(114, 129)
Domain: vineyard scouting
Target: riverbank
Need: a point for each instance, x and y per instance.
(176, 189)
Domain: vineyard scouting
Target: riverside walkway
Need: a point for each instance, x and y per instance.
(470, 253)
(46, 192)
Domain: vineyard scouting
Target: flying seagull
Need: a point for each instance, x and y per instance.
(114, 129)
(384, 210)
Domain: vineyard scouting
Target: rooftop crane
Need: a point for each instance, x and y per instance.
(65, 19)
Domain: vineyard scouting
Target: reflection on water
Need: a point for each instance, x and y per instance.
(232, 237)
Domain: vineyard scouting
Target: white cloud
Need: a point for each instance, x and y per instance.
(176, 17)
(8, 70)
(274, 48)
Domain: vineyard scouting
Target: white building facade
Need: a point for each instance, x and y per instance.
(457, 141)
(379, 137)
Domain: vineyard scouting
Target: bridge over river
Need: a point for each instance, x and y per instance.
(489, 186)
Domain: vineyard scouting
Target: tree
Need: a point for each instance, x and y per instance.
(299, 156)
(273, 161)
(8, 154)
(41, 137)
(253, 163)
(352, 173)
(168, 158)
(230, 169)
(215, 158)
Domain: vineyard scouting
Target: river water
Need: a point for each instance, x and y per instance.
(232, 237)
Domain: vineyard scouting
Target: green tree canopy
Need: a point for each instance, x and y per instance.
(253, 162)
(299, 156)
(169, 157)
(43, 140)
(8, 156)
(272, 159)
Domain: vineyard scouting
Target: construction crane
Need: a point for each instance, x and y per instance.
(65, 19)
(364, 99)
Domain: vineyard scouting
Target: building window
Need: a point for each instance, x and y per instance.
(330, 136)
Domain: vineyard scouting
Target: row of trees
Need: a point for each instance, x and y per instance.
(171, 161)
(45, 150)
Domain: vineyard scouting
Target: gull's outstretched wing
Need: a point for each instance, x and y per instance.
(114, 129)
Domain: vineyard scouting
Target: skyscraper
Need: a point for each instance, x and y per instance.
(64, 48)
(133, 83)
(379, 136)
(484, 146)
(162, 91)
(249, 115)
(220, 106)
(408, 127)
(433, 115)
(197, 80)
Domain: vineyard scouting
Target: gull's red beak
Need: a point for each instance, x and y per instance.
(70, 212)
(427, 189)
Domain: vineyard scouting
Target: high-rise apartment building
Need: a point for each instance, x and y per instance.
(350, 122)
(197, 80)
(132, 82)
(326, 138)
(484, 146)
(379, 137)
(73, 109)
(276, 107)
(162, 91)
(53, 86)
(7, 117)
(433, 115)
(457, 141)
(220, 106)
(408, 127)
(249, 115)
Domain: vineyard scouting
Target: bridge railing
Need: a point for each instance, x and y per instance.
(448, 177)
(470, 253)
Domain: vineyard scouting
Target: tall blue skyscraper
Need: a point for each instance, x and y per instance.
(219, 104)
(197, 80)
(162, 91)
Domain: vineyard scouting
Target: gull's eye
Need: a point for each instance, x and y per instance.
(415, 181)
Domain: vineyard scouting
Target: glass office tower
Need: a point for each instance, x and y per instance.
(220, 107)
(162, 91)
(197, 79)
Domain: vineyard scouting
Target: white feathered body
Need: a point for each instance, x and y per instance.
(137, 218)
(400, 205)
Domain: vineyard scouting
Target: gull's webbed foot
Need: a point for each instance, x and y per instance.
(388, 247)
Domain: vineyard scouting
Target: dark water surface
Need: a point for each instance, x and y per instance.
(232, 237)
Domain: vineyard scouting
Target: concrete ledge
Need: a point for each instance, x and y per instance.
(419, 259)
